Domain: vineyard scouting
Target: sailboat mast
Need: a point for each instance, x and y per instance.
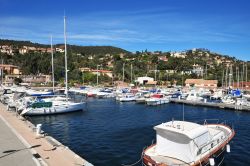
(222, 79)
(2, 73)
(246, 73)
(123, 74)
(131, 74)
(226, 77)
(52, 63)
(65, 53)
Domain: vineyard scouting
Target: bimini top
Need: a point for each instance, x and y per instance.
(189, 129)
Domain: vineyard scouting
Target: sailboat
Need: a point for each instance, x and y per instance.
(53, 105)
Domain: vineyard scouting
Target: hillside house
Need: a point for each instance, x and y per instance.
(10, 69)
(162, 58)
(198, 70)
(201, 83)
(29, 78)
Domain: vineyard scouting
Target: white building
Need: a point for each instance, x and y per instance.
(59, 50)
(178, 54)
(144, 80)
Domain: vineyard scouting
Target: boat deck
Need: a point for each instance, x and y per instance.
(164, 159)
(215, 129)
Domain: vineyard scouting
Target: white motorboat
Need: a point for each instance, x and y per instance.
(228, 99)
(188, 144)
(193, 96)
(217, 95)
(127, 97)
(157, 99)
(105, 93)
(140, 97)
(31, 92)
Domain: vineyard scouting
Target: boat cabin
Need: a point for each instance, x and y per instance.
(184, 141)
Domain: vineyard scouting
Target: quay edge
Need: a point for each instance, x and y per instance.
(209, 104)
(50, 152)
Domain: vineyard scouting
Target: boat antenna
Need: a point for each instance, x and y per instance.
(65, 53)
(52, 63)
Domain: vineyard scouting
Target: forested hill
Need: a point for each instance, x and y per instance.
(18, 43)
(84, 50)
(88, 50)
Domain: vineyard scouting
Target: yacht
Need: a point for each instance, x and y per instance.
(53, 105)
(105, 93)
(188, 144)
(193, 96)
(141, 97)
(228, 99)
(47, 106)
(127, 97)
(157, 99)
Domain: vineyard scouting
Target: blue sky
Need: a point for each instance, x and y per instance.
(222, 26)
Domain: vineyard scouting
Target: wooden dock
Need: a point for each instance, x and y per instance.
(210, 104)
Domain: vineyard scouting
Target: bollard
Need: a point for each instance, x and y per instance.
(205, 100)
(179, 97)
(38, 129)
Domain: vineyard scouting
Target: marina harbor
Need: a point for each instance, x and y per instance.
(178, 101)
(124, 83)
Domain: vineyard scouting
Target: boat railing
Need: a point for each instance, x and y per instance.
(210, 121)
(215, 121)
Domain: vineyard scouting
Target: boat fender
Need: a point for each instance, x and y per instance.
(228, 148)
(211, 161)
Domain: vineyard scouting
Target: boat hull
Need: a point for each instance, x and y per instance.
(141, 100)
(156, 102)
(127, 99)
(60, 109)
(218, 158)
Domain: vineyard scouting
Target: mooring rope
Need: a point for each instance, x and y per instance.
(136, 161)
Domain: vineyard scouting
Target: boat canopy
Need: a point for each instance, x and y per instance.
(181, 140)
(157, 96)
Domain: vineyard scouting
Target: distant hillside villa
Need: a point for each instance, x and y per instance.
(9, 79)
(201, 83)
(93, 71)
(10, 50)
(10, 69)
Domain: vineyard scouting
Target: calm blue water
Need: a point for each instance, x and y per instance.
(109, 133)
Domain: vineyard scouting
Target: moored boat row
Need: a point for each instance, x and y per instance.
(31, 102)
